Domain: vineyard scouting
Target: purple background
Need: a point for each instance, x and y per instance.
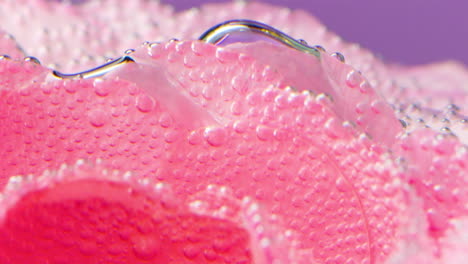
(404, 31)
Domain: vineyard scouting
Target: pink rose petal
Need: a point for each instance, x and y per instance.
(88, 214)
(305, 159)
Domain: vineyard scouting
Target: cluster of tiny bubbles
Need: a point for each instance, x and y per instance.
(262, 226)
(447, 121)
(216, 201)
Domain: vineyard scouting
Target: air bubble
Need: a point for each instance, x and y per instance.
(264, 133)
(377, 106)
(320, 48)
(171, 136)
(5, 57)
(236, 108)
(210, 255)
(129, 51)
(215, 136)
(241, 126)
(101, 88)
(353, 78)
(403, 123)
(144, 103)
(145, 247)
(364, 87)
(191, 251)
(361, 108)
(88, 248)
(32, 59)
(165, 120)
(97, 118)
(446, 130)
(194, 138)
(442, 194)
(339, 56)
(437, 220)
(453, 107)
(341, 184)
(222, 245)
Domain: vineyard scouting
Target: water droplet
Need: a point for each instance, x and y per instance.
(338, 56)
(145, 247)
(215, 136)
(144, 103)
(97, 118)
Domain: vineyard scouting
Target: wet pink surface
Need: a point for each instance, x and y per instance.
(264, 159)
